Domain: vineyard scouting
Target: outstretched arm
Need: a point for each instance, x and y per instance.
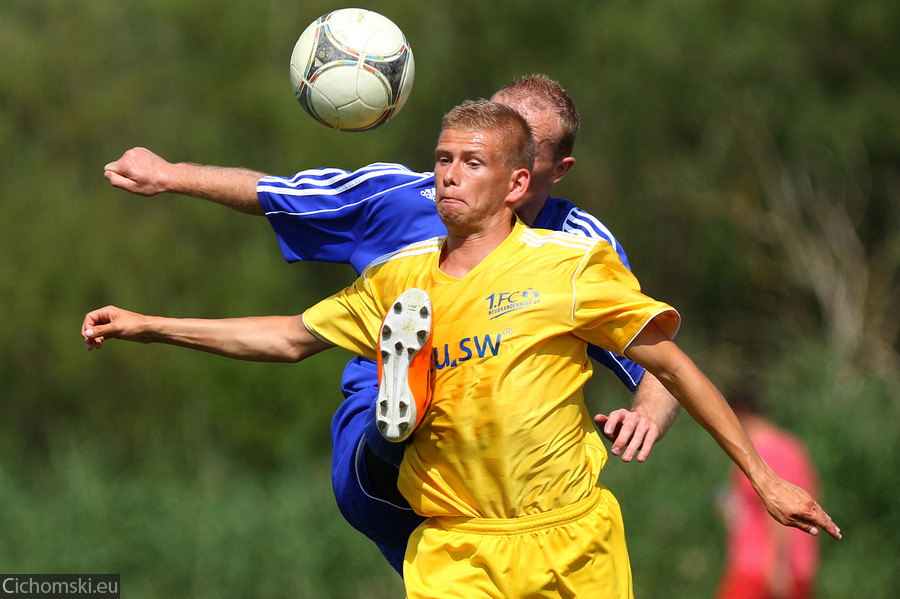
(787, 503)
(257, 339)
(142, 172)
(634, 432)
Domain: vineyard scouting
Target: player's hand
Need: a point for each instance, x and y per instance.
(113, 323)
(139, 171)
(792, 506)
(630, 432)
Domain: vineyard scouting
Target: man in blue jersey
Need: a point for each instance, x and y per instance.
(338, 216)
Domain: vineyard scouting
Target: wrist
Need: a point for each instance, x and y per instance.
(760, 474)
(176, 177)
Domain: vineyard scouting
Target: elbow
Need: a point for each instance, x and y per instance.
(290, 351)
(295, 355)
(299, 342)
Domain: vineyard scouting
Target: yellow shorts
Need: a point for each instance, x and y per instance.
(576, 551)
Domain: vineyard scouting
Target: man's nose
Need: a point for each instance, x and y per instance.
(451, 173)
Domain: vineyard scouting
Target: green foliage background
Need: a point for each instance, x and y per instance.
(746, 154)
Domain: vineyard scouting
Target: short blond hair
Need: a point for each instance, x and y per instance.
(517, 141)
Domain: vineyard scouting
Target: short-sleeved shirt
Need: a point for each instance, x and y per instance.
(354, 217)
(507, 433)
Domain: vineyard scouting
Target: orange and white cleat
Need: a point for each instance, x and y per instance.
(405, 366)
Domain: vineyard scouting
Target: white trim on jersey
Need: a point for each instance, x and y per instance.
(616, 360)
(429, 246)
(333, 185)
(579, 222)
(562, 238)
(358, 458)
(651, 319)
(325, 177)
(573, 282)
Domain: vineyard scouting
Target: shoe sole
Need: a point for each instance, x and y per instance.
(406, 330)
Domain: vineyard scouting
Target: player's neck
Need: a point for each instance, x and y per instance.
(462, 253)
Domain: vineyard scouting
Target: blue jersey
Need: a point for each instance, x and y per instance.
(332, 215)
(353, 217)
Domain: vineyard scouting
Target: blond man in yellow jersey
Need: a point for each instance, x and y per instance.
(506, 461)
(508, 443)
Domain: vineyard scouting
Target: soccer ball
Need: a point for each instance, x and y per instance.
(352, 69)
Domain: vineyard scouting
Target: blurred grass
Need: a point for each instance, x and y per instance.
(222, 531)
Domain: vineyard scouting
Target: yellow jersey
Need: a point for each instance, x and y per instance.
(507, 433)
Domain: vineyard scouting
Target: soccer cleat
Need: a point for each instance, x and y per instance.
(405, 372)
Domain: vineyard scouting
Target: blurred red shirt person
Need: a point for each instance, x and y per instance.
(764, 560)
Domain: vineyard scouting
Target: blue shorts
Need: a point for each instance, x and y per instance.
(386, 524)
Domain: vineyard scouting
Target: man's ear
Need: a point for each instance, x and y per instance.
(562, 168)
(519, 181)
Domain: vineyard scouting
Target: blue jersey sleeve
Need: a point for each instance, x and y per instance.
(563, 215)
(350, 217)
